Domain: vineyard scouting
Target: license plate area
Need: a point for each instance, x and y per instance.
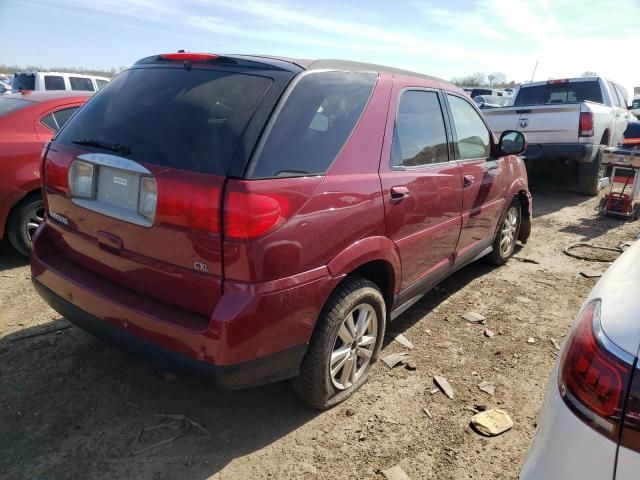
(117, 188)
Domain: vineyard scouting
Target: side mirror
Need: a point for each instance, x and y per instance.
(512, 143)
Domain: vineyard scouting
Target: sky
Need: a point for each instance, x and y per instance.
(442, 38)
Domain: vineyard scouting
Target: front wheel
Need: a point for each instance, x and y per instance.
(344, 345)
(505, 241)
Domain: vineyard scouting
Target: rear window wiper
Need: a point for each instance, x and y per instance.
(114, 147)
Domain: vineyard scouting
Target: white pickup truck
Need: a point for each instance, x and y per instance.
(566, 121)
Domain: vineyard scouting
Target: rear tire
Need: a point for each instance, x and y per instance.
(25, 217)
(344, 345)
(589, 176)
(505, 242)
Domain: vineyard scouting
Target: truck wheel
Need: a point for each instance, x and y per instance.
(344, 345)
(25, 217)
(505, 241)
(589, 176)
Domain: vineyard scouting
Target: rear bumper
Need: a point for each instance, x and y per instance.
(572, 152)
(278, 366)
(257, 334)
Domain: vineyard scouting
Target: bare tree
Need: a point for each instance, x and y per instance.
(589, 73)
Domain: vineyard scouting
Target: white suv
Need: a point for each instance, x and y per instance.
(52, 81)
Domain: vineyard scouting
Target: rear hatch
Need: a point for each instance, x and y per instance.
(550, 112)
(134, 181)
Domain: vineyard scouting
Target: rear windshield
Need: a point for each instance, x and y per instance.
(189, 120)
(313, 125)
(24, 81)
(552, 93)
(8, 105)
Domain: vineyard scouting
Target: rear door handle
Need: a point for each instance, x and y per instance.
(398, 193)
(468, 180)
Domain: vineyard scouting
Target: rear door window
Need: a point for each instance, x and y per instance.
(559, 93)
(419, 135)
(55, 120)
(101, 83)
(313, 124)
(54, 82)
(190, 120)
(82, 84)
(472, 135)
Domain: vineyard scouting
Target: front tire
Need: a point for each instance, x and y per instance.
(505, 242)
(344, 345)
(23, 221)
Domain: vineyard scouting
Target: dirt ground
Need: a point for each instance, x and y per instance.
(73, 407)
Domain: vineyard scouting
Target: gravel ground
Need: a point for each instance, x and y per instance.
(73, 407)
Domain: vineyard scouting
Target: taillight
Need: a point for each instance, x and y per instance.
(594, 374)
(631, 425)
(249, 215)
(56, 176)
(82, 179)
(586, 124)
(193, 206)
(148, 197)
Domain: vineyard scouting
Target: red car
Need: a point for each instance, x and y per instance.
(27, 123)
(255, 219)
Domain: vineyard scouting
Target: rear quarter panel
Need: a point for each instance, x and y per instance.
(328, 213)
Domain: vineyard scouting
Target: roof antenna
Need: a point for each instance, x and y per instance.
(534, 72)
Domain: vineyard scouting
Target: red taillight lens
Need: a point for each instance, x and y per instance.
(56, 176)
(249, 215)
(186, 56)
(631, 425)
(594, 374)
(586, 124)
(194, 206)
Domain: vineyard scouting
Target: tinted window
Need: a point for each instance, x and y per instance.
(636, 103)
(419, 136)
(471, 132)
(8, 105)
(56, 120)
(50, 122)
(481, 91)
(62, 116)
(23, 81)
(101, 83)
(313, 124)
(190, 120)
(551, 93)
(53, 82)
(78, 83)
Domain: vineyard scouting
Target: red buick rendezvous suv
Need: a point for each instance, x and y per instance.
(254, 219)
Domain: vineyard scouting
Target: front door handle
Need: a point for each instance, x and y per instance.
(398, 193)
(468, 180)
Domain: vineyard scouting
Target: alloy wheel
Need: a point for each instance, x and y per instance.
(353, 346)
(508, 232)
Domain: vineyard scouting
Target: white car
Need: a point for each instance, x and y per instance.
(56, 81)
(589, 424)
